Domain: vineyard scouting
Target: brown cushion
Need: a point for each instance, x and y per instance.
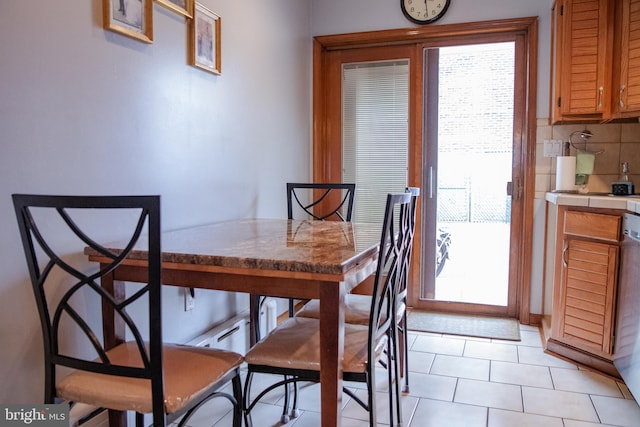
(356, 309)
(188, 372)
(295, 344)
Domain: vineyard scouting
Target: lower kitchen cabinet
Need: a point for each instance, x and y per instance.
(584, 287)
(585, 301)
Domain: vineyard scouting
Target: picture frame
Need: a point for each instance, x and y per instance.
(132, 18)
(205, 31)
(181, 7)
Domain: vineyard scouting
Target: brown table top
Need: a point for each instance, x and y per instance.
(329, 247)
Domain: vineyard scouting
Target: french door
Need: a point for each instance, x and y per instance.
(334, 139)
(469, 147)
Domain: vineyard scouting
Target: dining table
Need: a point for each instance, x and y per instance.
(301, 259)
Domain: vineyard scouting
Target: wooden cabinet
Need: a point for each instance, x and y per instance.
(587, 295)
(626, 95)
(595, 64)
(582, 41)
(584, 296)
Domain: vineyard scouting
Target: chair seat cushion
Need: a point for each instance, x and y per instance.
(356, 309)
(188, 372)
(295, 344)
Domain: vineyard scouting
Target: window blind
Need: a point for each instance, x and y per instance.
(375, 133)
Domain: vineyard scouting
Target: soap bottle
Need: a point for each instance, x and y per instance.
(624, 173)
(623, 187)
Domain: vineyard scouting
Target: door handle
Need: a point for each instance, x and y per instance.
(431, 182)
(514, 189)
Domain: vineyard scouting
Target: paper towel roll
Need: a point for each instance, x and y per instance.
(565, 173)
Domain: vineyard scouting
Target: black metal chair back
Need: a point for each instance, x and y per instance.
(392, 263)
(324, 201)
(52, 267)
(408, 224)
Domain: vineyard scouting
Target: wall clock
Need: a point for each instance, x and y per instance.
(424, 11)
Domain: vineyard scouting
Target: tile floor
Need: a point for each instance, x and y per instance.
(472, 382)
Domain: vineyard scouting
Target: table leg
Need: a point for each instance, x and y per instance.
(332, 347)
(254, 319)
(113, 329)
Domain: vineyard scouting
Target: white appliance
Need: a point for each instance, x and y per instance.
(627, 345)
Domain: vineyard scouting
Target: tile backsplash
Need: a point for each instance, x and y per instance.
(619, 142)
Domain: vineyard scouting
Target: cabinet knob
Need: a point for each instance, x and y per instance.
(622, 88)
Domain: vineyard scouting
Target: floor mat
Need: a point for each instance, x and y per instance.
(471, 326)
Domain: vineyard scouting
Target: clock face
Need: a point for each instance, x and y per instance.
(424, 11)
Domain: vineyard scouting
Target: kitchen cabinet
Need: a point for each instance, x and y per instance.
(585, 304)
(582, 49)
(585, 263)
(595, 64)
(626, 72)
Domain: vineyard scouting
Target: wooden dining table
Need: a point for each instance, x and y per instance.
(271, 257)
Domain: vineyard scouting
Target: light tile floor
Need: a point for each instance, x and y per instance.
(470, 382)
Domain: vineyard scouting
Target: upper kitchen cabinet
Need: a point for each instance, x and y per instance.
(582, 49)
(595, 47)
(626, 95)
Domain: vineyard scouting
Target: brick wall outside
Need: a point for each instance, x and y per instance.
(475, 133)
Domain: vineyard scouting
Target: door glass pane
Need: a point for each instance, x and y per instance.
(375, 134)
(474, 165)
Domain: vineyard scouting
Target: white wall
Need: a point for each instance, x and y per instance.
(84, 110)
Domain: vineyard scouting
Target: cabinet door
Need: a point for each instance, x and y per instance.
(587, 295)
(583, 48)
(627, 99)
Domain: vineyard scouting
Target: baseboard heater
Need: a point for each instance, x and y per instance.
(233, 334)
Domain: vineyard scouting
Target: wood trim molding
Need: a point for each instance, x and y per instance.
(526, 28)
(420, 34)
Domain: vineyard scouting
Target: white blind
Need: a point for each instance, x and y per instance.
(375, 135)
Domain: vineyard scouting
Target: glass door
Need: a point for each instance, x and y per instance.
(452, 116)
(469, 138)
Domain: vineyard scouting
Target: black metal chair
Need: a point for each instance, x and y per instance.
(357, 306)
(316, 201)
(293, 348)
(320, 201)
(401, 313)
(143, 374)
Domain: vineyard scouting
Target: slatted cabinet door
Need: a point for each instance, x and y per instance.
(586, 53)
(627, 99)
(588, 292)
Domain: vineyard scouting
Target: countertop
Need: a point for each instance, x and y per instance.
(596, 200)
(328, 247)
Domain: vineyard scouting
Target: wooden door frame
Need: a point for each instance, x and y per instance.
(327, 162)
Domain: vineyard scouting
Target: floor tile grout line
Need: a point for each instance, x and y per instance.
(595, 409)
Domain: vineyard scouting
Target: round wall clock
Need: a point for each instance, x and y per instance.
(424, 11)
